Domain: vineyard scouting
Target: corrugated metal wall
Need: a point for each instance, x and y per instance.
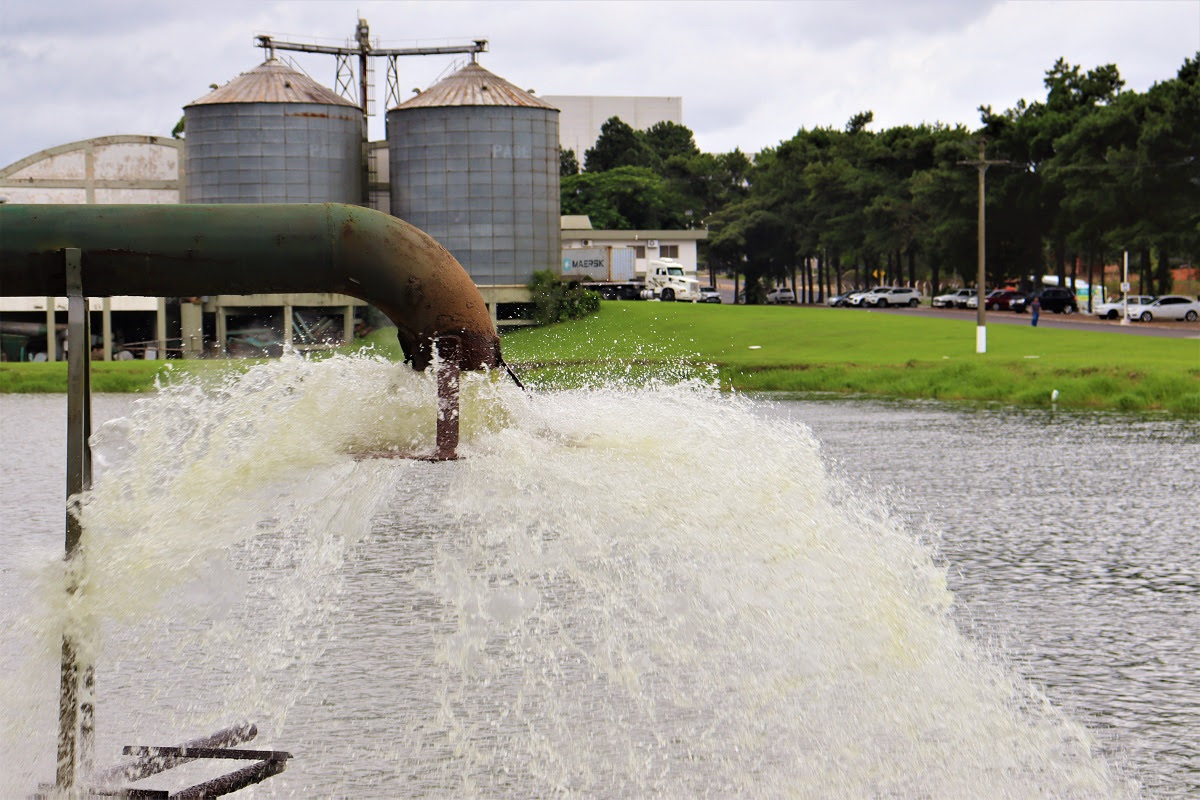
(273, 153)
(483, 181)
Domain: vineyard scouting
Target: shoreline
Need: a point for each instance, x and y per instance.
(788, 349)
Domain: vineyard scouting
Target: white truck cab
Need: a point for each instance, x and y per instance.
(667, 280)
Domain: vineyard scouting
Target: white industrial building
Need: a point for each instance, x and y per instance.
(582, 116)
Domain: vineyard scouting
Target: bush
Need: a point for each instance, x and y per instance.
(555, 301)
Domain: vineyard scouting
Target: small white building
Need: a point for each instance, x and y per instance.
(681, 246)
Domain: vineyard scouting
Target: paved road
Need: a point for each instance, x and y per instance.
(1074, 322)
(1078, 322)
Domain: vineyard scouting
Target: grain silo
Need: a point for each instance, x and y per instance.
(474, 163)
(273, 135)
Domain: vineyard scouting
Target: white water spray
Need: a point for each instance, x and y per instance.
(614, 593)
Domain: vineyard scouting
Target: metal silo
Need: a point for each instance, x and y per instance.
(474, 163)
(273, 135)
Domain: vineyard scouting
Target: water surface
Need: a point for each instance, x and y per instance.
(772, 599)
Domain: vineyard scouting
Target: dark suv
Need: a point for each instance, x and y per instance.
(1058, 300)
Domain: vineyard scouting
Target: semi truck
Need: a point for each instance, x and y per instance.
(613, 272)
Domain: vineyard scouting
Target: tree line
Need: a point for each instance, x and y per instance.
(1091, 170)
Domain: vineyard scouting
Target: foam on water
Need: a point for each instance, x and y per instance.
(615, 592)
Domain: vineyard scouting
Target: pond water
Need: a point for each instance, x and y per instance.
(1069, 538)
(661, 591)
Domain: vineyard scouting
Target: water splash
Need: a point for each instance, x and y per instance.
(616, 592)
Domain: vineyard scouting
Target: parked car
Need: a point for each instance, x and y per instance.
(840, 300)
(894, 296)
(781, 294)
(956, 299)
(1053, 298)
(1112, 309)
(709, 294)
(1171, 306)
(1000, 299)
(867, 298)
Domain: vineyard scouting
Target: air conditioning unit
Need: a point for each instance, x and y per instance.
(652, 242)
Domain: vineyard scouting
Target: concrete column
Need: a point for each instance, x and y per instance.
(106, 327)
(160, 327)
(348, 325)
(221, 329)
(51, 332)
(191, 329)
(287, 327)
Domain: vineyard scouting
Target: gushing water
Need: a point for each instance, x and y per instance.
(614, 593)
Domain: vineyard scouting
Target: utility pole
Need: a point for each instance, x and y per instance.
(981, 281)
(363, 50)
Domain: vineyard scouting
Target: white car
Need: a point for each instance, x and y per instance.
(864, 298)
(781, 294)
(1112, 310)
(893, 296)
(955, 299)
(1171, 306)
(868, 297)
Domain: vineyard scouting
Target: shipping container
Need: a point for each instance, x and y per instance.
(599, 264)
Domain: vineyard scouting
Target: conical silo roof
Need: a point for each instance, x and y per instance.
(473, 86)
(273, 82)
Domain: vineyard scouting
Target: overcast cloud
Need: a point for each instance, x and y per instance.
(750, 73)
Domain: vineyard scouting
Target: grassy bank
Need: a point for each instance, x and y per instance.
(107, 376)
(836, 350)
(770, 348)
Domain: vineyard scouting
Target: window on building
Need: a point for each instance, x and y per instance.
(639, 251)
(668, 251)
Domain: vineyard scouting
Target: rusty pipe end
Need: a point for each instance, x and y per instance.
(418, 284)
(476, 350)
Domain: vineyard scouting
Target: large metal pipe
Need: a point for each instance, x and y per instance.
(191, 250)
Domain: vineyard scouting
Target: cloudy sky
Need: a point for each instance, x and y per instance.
(750, 73)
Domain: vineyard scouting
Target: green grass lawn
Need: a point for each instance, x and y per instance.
(781, 348)
(108, 376)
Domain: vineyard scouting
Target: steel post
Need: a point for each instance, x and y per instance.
(79, 479)
(981, 278)
(446, 367)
